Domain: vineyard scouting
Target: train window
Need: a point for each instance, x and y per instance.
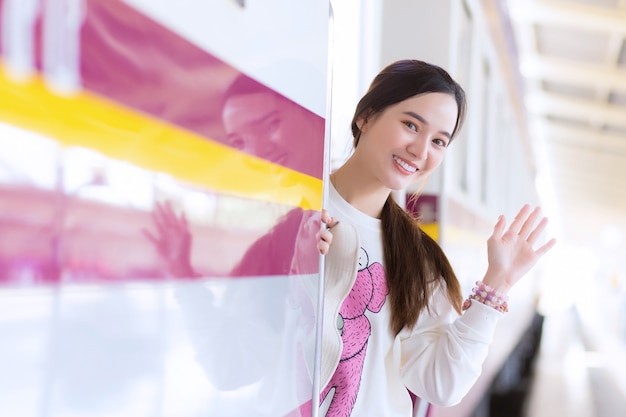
(486, 132)
(463, 75)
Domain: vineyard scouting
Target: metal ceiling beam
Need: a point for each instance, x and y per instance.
(564, 133)
(581, 182)
(570, 72)
(586, 166)
(571, 108)
(568, 14)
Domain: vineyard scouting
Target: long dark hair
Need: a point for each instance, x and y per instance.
(414, 263)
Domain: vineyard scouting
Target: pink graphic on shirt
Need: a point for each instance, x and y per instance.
(368, 293)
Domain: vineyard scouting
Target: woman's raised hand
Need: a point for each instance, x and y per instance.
(510, 252)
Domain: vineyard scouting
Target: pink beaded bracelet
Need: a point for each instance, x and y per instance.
(488, 296)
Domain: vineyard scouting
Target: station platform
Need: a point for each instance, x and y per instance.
(579, 370)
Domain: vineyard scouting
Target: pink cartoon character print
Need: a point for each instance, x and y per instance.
(367, 293)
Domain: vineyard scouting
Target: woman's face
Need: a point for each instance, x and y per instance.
(408, 140)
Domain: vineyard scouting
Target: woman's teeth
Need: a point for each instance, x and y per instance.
(404, 165)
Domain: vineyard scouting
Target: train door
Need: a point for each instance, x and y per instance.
(161, 171)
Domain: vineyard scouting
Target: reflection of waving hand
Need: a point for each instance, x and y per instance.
(172, 239)
(511, 253)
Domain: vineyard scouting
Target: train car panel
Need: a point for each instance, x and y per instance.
(159, 207)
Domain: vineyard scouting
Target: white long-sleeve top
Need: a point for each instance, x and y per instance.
(366, 369)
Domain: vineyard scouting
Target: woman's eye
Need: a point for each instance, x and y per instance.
(440, 142)
(411, 125)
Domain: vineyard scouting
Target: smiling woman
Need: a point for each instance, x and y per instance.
(414, 132)
(404, 328)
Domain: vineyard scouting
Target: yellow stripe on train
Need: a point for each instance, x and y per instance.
(121, 133)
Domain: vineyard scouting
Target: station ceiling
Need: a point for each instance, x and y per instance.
(572, 62)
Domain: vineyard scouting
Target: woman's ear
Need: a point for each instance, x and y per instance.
(361, 123)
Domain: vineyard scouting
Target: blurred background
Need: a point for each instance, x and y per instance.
(135, 218)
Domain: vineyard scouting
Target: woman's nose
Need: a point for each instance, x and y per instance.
(419, 148)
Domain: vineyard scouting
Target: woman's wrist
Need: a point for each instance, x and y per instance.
(497, 280)
(488, 296)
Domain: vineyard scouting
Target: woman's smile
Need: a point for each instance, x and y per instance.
(405, 167)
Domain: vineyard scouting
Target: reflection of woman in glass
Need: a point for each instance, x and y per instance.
(262, 122)
(257, 330)
(273, 254)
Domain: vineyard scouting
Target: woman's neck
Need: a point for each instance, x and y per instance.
(360, 191)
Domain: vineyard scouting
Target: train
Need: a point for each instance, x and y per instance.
(162, 170)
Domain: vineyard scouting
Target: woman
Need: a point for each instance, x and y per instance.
(395, 323)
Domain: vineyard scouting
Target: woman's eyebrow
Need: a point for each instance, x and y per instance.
(421, 119)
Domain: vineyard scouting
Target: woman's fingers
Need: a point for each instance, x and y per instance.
(517, 222)
(546, 247)
(328, 220)
(533, 236)
(326, 238)
(525, 223)
(323, 247)
(325, 234)
(529, 223)
(498, 228)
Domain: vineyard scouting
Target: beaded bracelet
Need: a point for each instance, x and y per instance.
(488, 296)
